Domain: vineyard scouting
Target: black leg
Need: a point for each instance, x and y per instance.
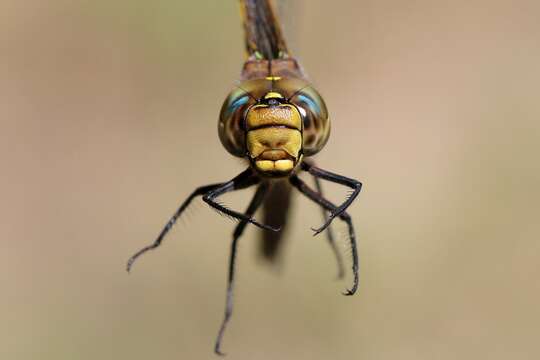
(253, 205)
(339, 179)
(209, 192)
(330, 233)
(245, 179)
(343, 215)
(198, 192)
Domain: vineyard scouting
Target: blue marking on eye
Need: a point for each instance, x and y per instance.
(236, 104)
(309, 101)
(239, 102)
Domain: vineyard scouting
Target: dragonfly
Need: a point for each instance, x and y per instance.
(276, 120)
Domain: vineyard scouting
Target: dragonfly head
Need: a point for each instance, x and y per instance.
(274, 123)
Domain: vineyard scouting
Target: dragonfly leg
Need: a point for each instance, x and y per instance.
(339, 179)
(209, 192)
(330, 233)
(197, 192)
(252, 208)
(242, 181)
(343, 215)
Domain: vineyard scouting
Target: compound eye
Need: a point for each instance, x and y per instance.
(235, 105)
(231, 121)
(315, 119)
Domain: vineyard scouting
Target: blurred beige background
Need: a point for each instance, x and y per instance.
(108, 120)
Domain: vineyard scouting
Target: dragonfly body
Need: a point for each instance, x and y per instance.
(275, 119)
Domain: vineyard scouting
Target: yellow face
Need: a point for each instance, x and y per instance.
(274, 136)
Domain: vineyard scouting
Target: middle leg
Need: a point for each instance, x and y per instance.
(253, 206)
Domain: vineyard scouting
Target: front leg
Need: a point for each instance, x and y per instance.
(339, 179)
(245, 179)
(209, 192)
(324, 203)
(329, 232)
